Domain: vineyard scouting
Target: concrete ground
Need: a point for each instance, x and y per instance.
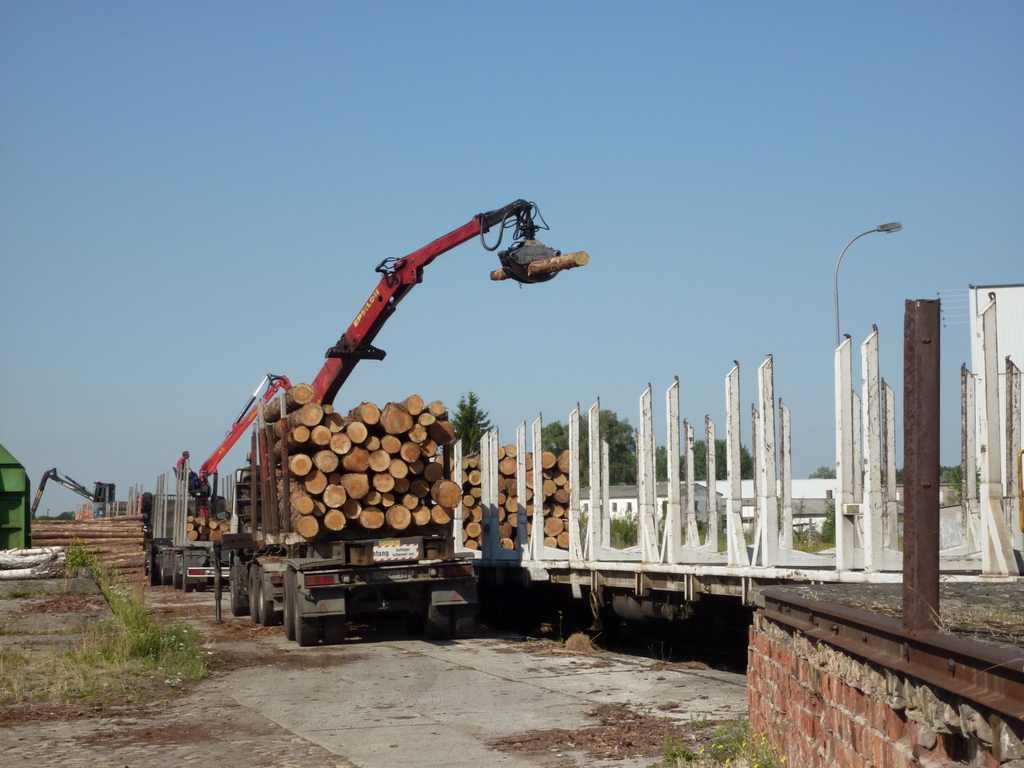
(387, 700)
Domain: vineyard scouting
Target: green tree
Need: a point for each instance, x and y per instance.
(470, 422)
(823, 473)
(621, 440)
(700, 462)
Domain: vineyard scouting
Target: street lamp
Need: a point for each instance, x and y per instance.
(894, 226)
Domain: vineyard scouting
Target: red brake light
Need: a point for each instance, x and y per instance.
(320, 580)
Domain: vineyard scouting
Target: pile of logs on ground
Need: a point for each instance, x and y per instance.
(376, 469)
(117, 541)
(554, 494)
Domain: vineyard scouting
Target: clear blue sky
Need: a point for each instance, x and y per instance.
(195, 194)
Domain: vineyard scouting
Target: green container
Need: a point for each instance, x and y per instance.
(15, 507)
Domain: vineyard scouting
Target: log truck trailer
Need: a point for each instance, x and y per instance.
(314, 587)
(171, 558)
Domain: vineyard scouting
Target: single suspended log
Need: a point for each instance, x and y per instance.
(335, 496)
(315, 482)
(383, 482)
(398, 517)
(356, 460)
(421, 515)
(367, 413)
(446, 493)
(391, 443)
(380, 460)
(334, 520)
(433, 471)
(341, 443)
(351, 509)
(371, 518)
(326, 461)
(320, 436)
(474, 529)
(549, 266)
(442, 431)
(294, 398)
(357, 432)
(307, 526)
(356, 484)
(395, 419)
(440, 515)
(413, 404)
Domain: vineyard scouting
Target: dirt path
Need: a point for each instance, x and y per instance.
(390, 699)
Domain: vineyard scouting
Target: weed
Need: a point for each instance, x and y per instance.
(732, 744)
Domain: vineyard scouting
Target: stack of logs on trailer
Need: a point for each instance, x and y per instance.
(202, 528)
(555, 494)
(376, 469)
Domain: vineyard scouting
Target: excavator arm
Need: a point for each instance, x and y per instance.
(400, 275)
(245, 417)
(67, 482)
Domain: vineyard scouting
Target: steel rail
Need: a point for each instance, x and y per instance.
(989, 675)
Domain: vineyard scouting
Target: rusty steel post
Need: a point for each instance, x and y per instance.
(921, 465)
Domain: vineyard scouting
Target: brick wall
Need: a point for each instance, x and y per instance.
(824, 708)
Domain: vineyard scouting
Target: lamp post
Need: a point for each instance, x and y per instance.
(894, 226)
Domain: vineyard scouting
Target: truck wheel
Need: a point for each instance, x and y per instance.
(239, 601)
(437, 622)
(307, 630)
(178, 578)
(334, 629)
(463, 621)
(289, 604)
(269, 617)
(154, 571)
(166, 575)
(189, 585)
(255, 581)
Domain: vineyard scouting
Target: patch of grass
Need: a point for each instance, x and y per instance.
(731, 744)
(119, 662)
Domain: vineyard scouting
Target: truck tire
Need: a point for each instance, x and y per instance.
(463, 621)
(255, 580)
(239, 600)
(166, 575)
(178, 576)
(187, 584)
(154, 570)
(307, 630)
(290, 592)
(437, 622)
(334, 629)
(269, 616)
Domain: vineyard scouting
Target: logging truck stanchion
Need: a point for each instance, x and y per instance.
(341, 516)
